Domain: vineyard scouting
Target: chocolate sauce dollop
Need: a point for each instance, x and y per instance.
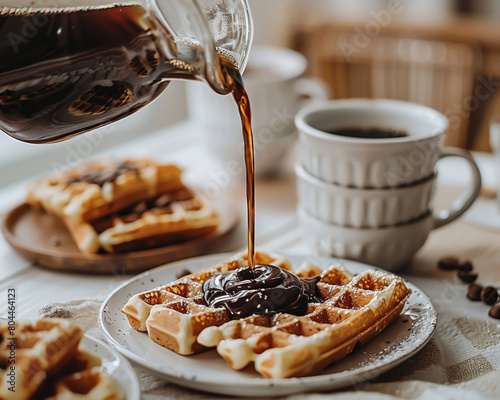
(266, 289)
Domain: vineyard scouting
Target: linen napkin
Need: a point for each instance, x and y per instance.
(461, 361)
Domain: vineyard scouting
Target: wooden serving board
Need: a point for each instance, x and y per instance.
(43, 239)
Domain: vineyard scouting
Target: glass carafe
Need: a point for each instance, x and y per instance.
(70, 66)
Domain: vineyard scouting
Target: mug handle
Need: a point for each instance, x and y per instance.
(312, 89)
(462, 203)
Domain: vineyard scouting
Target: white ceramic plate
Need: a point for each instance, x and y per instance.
(115, 365)
(209, 372)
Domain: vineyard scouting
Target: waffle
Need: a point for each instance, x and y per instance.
(175, 314)
(48, 364)
(169, 218)
(99, 188)
(352, 310)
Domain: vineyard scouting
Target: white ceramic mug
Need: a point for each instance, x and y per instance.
(363, 208)
(373, 163)
(277, 90)
(390, 248)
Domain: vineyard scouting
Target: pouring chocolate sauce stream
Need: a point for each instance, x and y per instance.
(233, 82)
(256, 289)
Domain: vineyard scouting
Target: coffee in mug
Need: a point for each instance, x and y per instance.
(367, 133)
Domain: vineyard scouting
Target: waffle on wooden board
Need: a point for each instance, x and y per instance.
(350, 311)
(98, 188)
(170, 218)
(48, 364)
(124, 206)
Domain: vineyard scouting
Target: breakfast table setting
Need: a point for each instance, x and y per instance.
(460, 359)
(280, 242)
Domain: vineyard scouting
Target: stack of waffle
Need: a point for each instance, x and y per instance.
(122, 207)
(43, 360)
(350, 311)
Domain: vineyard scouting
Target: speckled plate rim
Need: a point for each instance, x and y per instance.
(115, 365)
(419, 308)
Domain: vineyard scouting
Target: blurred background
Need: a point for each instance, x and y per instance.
(441, 53)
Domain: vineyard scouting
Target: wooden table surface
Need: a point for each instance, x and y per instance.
(277, 230)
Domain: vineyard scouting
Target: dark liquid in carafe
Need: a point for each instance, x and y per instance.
(66, 72)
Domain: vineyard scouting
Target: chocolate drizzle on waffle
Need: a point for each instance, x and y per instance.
(102, 176)
(159, 205)
(265, 290)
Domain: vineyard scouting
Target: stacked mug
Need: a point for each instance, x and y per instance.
(366, 177)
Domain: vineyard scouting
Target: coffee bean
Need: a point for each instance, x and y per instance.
(448, 263)
(182, 273)
(466, 266)
(474, 292)
(467, 276)
(489, 295)
(495, 312)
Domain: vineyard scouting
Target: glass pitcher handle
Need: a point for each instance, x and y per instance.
(231, 25)
(204, 28)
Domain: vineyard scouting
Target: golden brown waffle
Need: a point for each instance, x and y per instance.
(175, 314)
(47, 364)
(99, 188)
(172, 217)
(87, 384)
(352, 310)
(350, 313)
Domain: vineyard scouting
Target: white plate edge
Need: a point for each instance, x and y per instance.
(124, 363)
